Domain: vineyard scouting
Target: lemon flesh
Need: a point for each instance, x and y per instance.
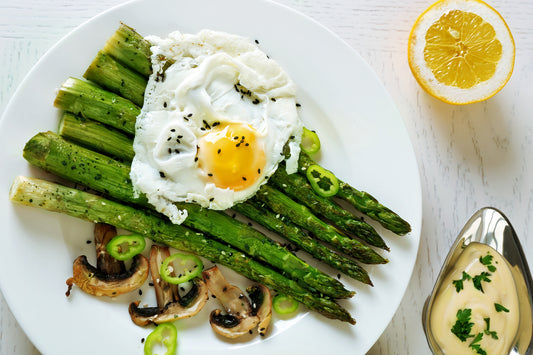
(462, 49)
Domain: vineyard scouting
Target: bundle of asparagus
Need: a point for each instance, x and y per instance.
(94, 148)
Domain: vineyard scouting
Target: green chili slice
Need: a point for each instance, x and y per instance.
(125, 247)
(164, 334)
(284, 305)
(323, 181)
(310, 142)
(191, 267)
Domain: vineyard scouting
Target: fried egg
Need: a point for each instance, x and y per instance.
(217, 115)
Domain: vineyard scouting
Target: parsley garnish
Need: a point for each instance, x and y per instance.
(459, 283)
(487, 261)
(500, 308)
(487, 331)
(463, 326)
(484, 276)
(476, 346)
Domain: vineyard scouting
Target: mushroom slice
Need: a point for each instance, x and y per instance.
(170, 306)
(239, 318)
(261, 306)
(110, 277)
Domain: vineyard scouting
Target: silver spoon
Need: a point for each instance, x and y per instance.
(491, 227)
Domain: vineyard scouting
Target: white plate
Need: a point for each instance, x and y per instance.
(364, 142)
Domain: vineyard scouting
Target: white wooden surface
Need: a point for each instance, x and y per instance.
(469, 157)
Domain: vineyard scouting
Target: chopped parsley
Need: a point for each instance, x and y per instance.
(487, 261)
(484, 276)
(475, 346)
(487, 331)
(463, 326)
(500, 308)
(459, 283)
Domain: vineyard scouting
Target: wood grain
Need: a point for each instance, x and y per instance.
(469, 156)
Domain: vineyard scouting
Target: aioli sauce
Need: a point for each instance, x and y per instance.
(500, 290)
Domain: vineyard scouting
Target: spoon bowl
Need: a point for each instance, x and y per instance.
(489, 226)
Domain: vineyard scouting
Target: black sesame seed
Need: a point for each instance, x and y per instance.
(88, 242)
(189, 115)
(291, 137)
(202, 128)
(180, 136)
(169, 150)
(273, 99)
(176, 151)
(259, 171)
(185, 118)
(219, 150)
(211, 199)
(196, 159)
(256, 41)
(164, 104)
(173, 130)
(140, 292)
(247, 144)
(162, 174)
(298, 105)
(209, 174)
(244, 178)
(169, 138)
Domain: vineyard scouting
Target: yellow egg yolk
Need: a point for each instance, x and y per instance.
(232, 156)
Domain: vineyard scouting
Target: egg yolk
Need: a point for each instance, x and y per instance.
(232, 156)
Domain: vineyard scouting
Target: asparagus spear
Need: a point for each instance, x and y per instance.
(262, 215)
(300, 215)
(90, 101)
(110, 74)
(298, 237)
(364, 202)
(130, 49)
(96, 136)
(52, 153)
(297, 187)
(322, 229)
(58, 198)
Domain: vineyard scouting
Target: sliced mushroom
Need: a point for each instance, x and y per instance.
(170, 306)
(261, 306)
(109, 277)
(239, 318)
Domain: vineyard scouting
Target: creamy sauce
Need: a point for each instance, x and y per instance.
(500, 290)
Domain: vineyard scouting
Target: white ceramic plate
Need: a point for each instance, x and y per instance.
(364, 142)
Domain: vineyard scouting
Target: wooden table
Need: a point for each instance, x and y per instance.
(469, 156)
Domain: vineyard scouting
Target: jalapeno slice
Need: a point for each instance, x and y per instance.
(191, 267)
(310, 142)
(323, 181)
(164, 334)
(284, 305)
(125, 247)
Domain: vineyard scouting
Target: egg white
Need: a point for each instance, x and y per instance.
(215, 78)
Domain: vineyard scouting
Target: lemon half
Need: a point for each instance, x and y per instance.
(461, 51)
